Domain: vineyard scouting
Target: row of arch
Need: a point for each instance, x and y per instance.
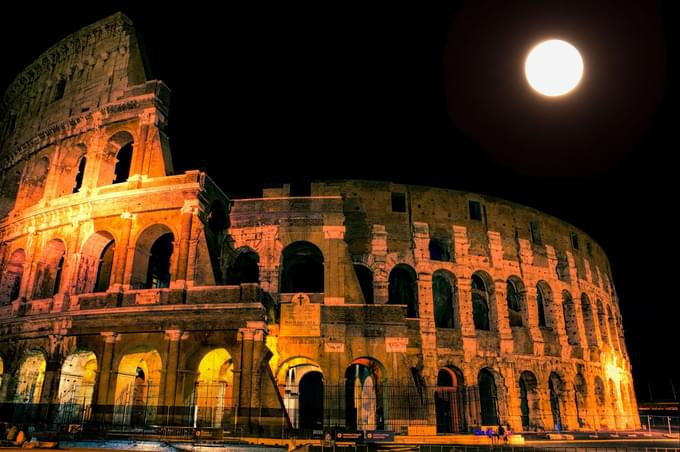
(29, 185)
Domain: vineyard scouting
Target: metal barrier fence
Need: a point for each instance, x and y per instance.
(660, 424)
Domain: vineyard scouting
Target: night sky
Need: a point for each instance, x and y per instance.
(432, 95)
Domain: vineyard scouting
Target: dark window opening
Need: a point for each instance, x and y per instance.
(403, 289)
(105, 267)
(443, 302)
(57, 276)
(302, 269)
(311, 401)
(79, 175)
(574, 240)
(439, 251)
(540, 305)
(480, 304)
(535, 232)
(398, 202)
(158, 273)
(245, 269)
(123, 163)
(487, 398)
(475, 210)
(513, 298)
(589, 249)
(365, 277)
(59, 89)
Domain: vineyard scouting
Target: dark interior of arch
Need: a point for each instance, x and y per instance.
(365, 277)
(123, 163)
(403, 289)
(245, 268)
(487, 398)
(11, 277)
(480, 304)
(158, 272)
(79, 175)
(514, 305)
(443, 302)
(311, 401)
(439, 251)
(540, 305)
(104, 269)
(302, 268)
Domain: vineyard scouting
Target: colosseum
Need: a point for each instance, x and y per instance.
(133, 296)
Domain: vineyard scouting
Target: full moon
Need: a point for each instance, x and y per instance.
(553, 67)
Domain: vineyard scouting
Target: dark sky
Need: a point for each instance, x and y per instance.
(432, 95)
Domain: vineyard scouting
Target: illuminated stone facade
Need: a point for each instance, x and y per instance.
(132, 296)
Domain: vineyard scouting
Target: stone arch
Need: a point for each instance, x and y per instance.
(10, 284)
(116, 159)
(34, 181)
(543, 292)
(72, 163)
(29, 379)
(600, 399)
(581, 400)
(245, 268)
(488, 397)
(301, 382)
(529, 401)
(152, 263)
(10, 182)
(403, 289)
(588, 321)
(49, 271)
(444, 299)
(363, 394)
(551, 307)
(213, 389)
(482, 301)
(449, 398)
(137, 387)
(365, 279)
(556, 390)
(96, 263)
(76, 386)
(602, 321)
(515, 297)
(302, 268)
(570, 319)
(439, 251)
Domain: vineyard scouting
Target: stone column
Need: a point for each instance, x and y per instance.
(120, 266)
(537, 340)
(169, 394)
(105, 389)
(334, 267)
(379, 252)
(428, 331)
(467, 326)
(188, 211)
(49, 396)
(502, 321)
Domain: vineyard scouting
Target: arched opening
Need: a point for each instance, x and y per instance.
(540, 306)
(556, 386)
(246, 268)
(121, 171)
(213, 392)
(570, 320)
(612, 329)
(30, 378)
(363, 404)
(152, 259)
(589, 324)
(10, 181)
(49, 270)
(443, 295)
(514, 298)
(116, 159)
(601, 401)
(480, 303)
(11, 277)
(79, 175)
(303, 271)
(529, 401)
(34, 181)
(403, 289)
(581, 400)
(76, 386)
(137, 388)
(311, 401)
(450, 401)
(604, 332)
(96, 263)
(562, 267)
(487, 398)
(365, 278)
(439, 251)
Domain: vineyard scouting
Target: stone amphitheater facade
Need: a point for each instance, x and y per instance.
(132, 295)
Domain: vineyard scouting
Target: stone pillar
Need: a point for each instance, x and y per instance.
(502, 321)
(105, 387)
(123, 249)
(379, 252)
(467, 326)
(30, 264)
(537, 340)
(188, 211)
(169, 394)
(428, 331)
(49, 396)
(334, 266)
